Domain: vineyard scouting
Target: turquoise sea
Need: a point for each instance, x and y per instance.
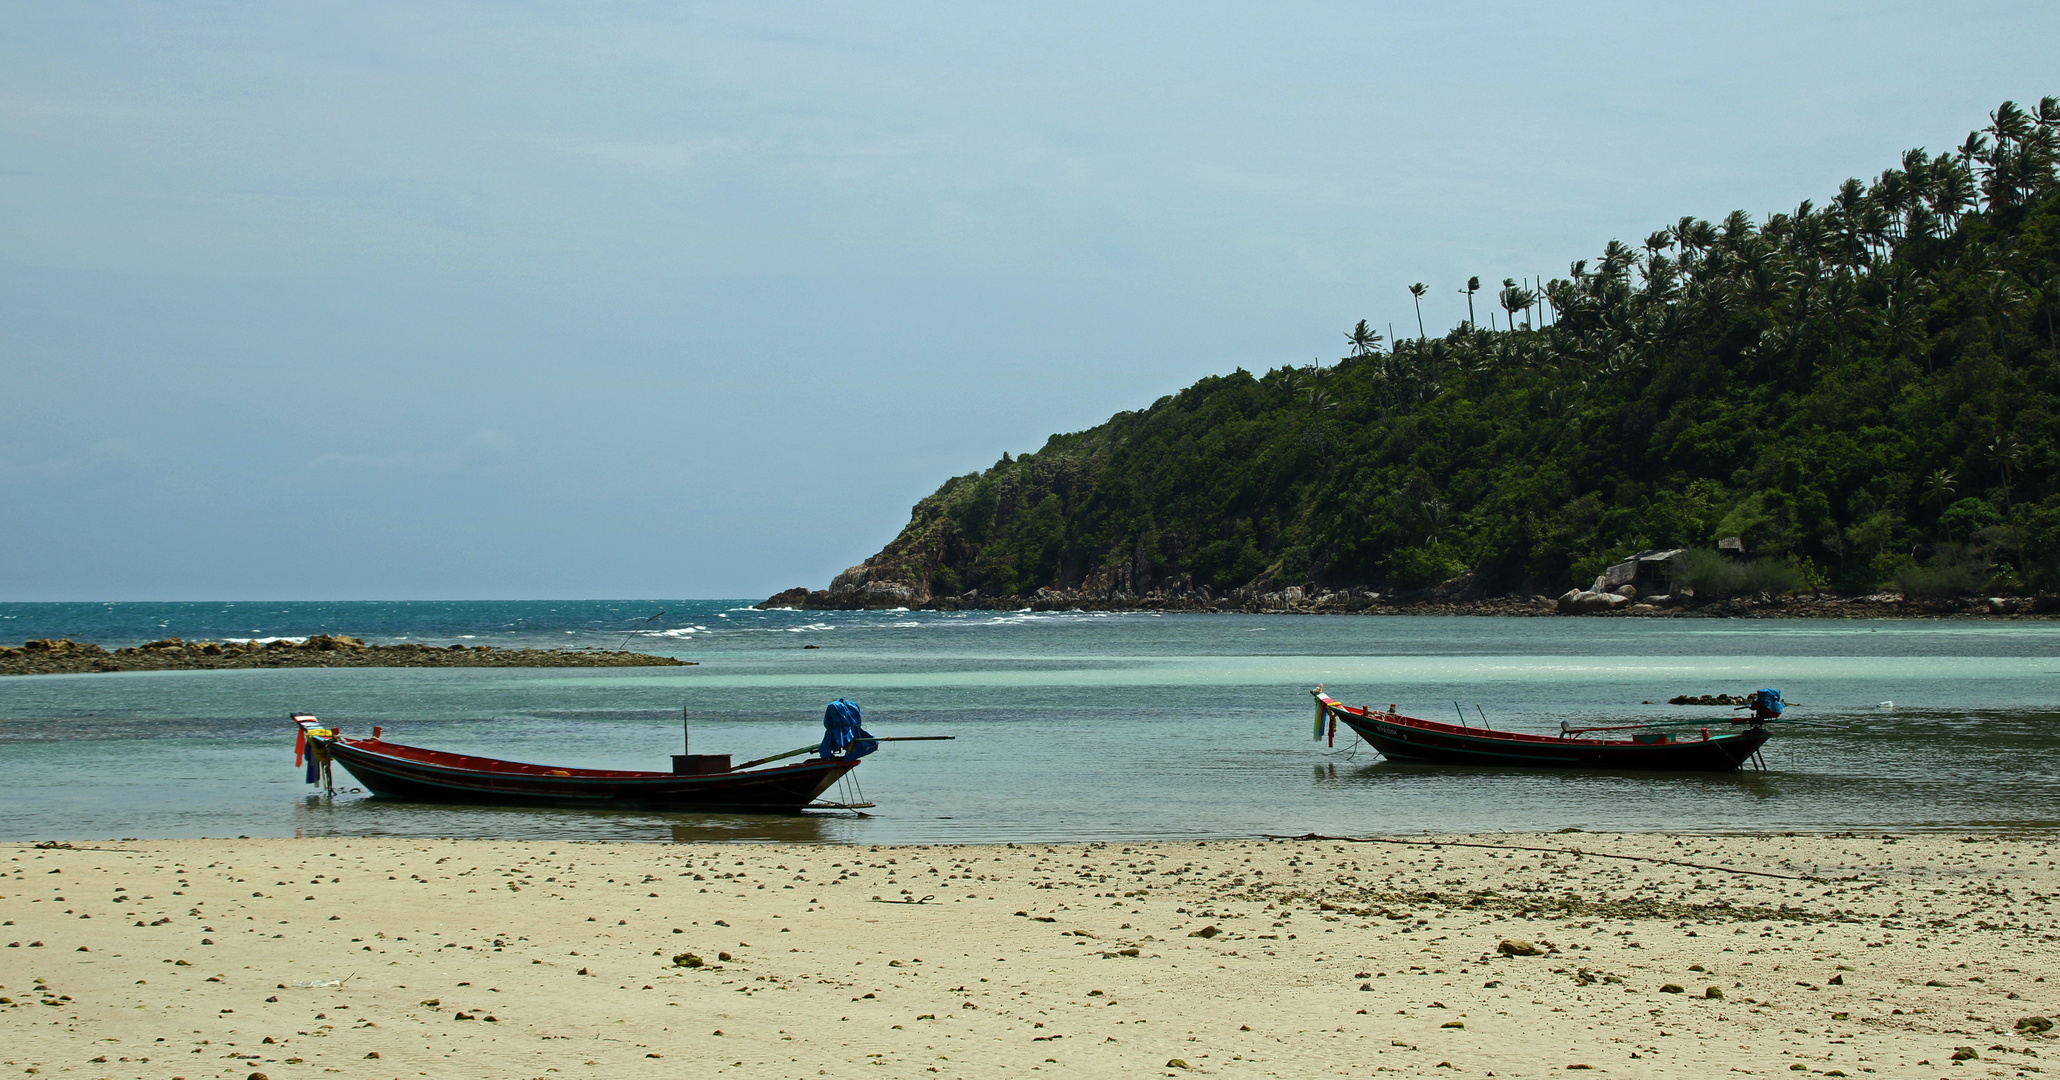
(1070, 726)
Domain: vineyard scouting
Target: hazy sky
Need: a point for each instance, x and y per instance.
(498, 300)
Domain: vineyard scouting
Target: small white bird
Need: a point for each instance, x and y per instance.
(1888, 704)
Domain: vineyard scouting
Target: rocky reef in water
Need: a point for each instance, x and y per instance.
(63, 656)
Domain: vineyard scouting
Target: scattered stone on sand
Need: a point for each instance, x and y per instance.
(438, 936)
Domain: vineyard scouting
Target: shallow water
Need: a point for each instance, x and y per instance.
(1070, 726)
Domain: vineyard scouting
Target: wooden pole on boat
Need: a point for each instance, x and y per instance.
(812, 746)
(686, 736)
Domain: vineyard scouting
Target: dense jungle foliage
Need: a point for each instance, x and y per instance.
(1866, 391)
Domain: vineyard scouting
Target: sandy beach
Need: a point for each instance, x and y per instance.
(1815, 955)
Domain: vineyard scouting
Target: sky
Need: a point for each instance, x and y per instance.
(439, 300)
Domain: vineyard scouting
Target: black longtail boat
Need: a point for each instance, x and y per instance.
(1660, 747)
(696, 782)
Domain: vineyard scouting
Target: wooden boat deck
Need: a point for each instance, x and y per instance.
(495, 766)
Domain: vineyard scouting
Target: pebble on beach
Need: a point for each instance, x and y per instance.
(1846, 952)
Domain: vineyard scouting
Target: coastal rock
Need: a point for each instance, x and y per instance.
(878, 585)
(62, 647)
(65, 657)
(791, 598)
(1586, 602)
(865, 586)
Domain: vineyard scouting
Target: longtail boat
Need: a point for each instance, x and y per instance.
(696, 782)
(1671, 747)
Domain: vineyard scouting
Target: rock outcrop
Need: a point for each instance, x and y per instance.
(63, 656)
(858, 589)
(1588, 602)
(855, 592)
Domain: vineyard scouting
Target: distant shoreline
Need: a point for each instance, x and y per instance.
(1361, 602)
(64, 656)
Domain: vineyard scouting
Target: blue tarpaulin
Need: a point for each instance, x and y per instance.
(841, 731)
(1767, 702)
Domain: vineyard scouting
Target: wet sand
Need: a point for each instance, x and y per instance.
(1854, 956)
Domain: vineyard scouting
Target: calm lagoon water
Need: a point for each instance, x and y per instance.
(1069, 726)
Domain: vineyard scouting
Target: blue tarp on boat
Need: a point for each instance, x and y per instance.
(841, 731)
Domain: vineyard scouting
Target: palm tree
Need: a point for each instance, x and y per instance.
(1473, 285)
(2008, 455)
(1364, 340)
(1903, 316)
(1939, 485)
(1513, 299)
(1656, 243)
(1952, 189)
(1416, 292)
(2002, 296)
(1435, 516)
(1616, 259)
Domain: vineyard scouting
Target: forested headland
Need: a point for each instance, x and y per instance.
(1864, 392)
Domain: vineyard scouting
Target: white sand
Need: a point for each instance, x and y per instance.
(562, 957)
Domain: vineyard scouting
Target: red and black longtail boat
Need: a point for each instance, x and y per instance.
(696, 782)
(1669, 747)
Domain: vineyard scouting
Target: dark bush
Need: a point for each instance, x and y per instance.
(1714, 577)
(1954, 570)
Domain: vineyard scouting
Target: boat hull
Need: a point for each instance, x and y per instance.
(1407, 739)
(402, 772)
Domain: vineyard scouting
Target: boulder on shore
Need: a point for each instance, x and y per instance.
(1588, 602)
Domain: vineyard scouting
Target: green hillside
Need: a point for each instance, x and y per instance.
(1864, 391)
